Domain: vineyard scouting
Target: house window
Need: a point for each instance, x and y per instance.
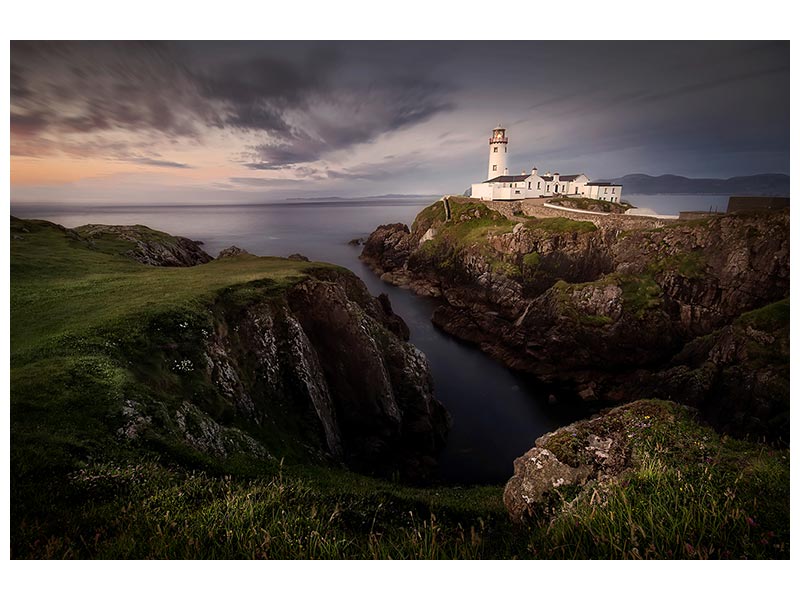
(548, 187)
(516, 191)
(529, 185)
(605, 191)
(576, 191)
(495, 148)
(494, 167)
(538, 185)
(506, 147)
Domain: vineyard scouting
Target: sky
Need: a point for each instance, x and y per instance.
(239, 122)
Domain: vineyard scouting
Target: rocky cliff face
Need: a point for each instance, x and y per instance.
(592, 308)
(321, 369)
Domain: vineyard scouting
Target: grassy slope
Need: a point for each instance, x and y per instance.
(79, 492)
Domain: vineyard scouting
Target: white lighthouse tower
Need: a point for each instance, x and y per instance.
(498, 152)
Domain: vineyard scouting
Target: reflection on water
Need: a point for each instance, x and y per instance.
(497, 414)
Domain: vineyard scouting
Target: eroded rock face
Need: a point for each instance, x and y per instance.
(150, 247)
(388, 248)
(592, 308)
(324, 366)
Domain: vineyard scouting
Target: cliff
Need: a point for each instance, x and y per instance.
(604, 312)
(242, 359)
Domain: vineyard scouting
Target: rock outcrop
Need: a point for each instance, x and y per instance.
(144, 245)
(589, 308)
(599, 450)
(232, 251)
(321, 367)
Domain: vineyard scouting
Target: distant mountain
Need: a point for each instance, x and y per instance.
(381, 197)
(767, 184)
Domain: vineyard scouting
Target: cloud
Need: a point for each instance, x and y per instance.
(154, 162)
(265, 182)
(303, 104)
(356, 115)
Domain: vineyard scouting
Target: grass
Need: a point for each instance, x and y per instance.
(692, 494)
(640, 294)
(692, 264)
(146, 510)
(531, 260)
(93, 332)
(768, 318)
(470, 225)
(61, 286)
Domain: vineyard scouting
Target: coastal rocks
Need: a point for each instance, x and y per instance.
(580, 456)
(380, 385)
(297, 256)
(231, 251)
(387, 248)
(144, 245)
(598, 308)
(328, 366)
(738, 376)
(537, 473)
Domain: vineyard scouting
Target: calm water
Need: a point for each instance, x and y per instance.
(672, 204)
(496, 414)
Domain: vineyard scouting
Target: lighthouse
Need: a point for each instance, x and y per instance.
(498, 152)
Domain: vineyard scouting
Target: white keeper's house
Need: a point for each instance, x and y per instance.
(499, 185)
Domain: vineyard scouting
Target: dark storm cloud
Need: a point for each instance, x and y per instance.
(257, 91)
(95, 87)
(360, 115)
(297, 103)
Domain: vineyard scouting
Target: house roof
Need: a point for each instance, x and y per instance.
(561, 177)
(604, 183)
(507, 178)
(514, 178)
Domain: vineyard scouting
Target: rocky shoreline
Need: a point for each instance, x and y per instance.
(616, 314)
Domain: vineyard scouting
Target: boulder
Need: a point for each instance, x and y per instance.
(537, 474)
(231, 251)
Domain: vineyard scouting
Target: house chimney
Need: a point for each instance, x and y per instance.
(534, 171)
